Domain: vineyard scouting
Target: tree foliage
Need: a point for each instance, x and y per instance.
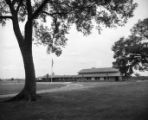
(132, 52)
(59, 15)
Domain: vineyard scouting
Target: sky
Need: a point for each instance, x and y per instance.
(81, 51)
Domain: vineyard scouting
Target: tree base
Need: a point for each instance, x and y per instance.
(24, 95)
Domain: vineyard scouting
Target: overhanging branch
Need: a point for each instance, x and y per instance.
(69, 11)
(56, 13)
(39, 9)
(5, 17)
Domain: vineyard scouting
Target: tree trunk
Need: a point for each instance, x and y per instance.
(29, 91)
(30, 84)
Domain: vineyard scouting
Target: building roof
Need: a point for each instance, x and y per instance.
(101, 75)
(98, 70)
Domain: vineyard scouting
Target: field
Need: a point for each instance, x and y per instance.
(10, 87)
(94, 101)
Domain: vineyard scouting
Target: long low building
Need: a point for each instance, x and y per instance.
(101, 73)
(93, 74)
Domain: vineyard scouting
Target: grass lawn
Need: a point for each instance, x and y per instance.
(8, 88)
(109, 102)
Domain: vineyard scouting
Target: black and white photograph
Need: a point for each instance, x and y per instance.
(73, 60)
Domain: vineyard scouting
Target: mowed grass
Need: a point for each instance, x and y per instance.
(115, 102)
(10, 87)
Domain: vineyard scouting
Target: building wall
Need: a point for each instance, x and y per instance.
(87, 76)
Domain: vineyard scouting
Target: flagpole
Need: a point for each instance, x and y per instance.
(51, 76)
(51, 69)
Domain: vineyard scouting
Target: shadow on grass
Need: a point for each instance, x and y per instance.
(122, 102)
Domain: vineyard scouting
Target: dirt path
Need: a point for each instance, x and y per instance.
(67, 87)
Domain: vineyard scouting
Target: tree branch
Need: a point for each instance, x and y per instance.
(56, 13)
(19, 4)
(10, 6)
(14, 1)
(9, 2)
(14, 18)
(17, 31)
(5, 17)
(39, 9)
(71, 10)
(29, 9)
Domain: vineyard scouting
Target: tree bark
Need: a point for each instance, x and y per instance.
(29, 91)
